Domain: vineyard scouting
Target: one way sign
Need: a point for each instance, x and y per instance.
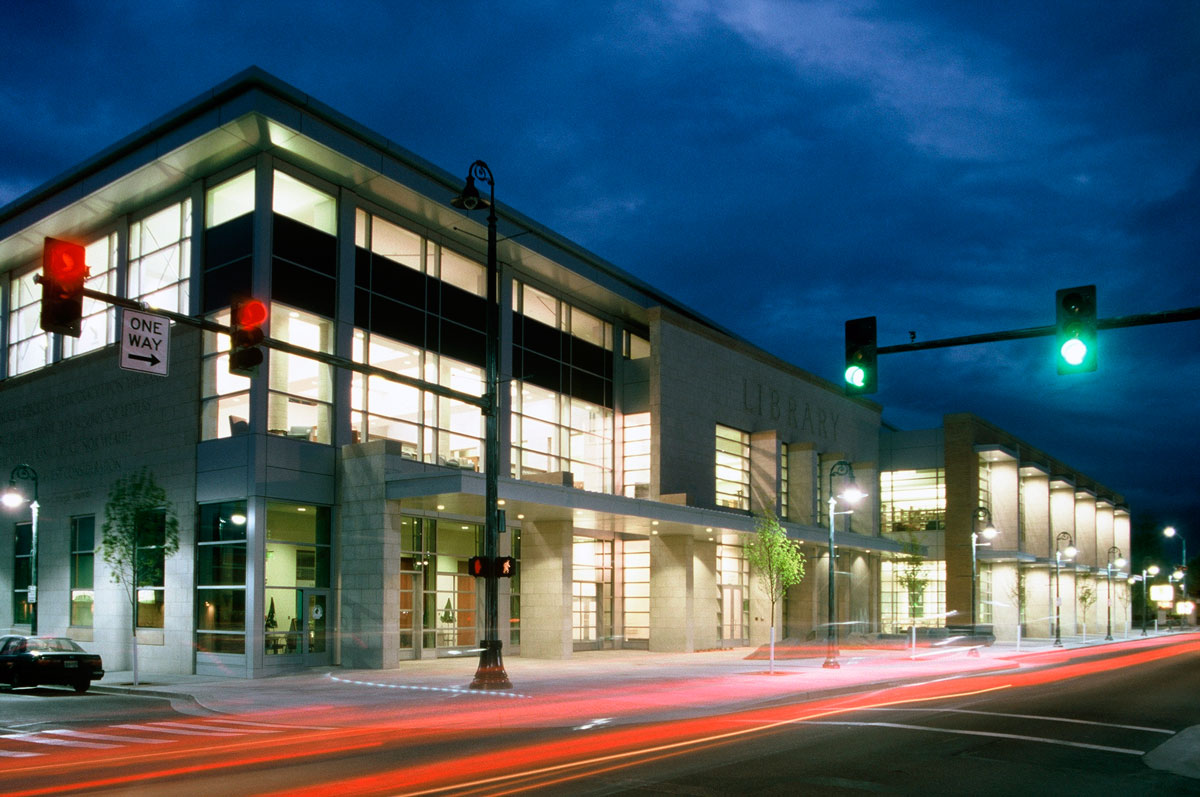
(144, 341)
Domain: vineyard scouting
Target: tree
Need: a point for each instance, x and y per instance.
(913, 577)
(778, 561)
(140, 531)
(1087, 597)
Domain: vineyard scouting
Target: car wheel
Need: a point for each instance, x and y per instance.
(81, 686)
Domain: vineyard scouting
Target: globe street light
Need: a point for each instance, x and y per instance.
(1059, 552)
(12, 499)
(851, 495)
(1169, 531)
(989, 532)
(1114, 559)
(1147, 574)
(490, 674)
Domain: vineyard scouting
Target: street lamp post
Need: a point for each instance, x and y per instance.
(1147, 574)
(13, 498)
(851, 495)
(989, 532)
(1114, 558)
(490, 674)
(1169, 531)
(1059, 553)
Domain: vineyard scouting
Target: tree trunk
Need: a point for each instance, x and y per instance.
(772, 646)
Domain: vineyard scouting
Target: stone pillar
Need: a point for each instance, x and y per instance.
(804, 599)
(1036, 486)
(1062, 514)
(1005, 514)
(672, 588)
(1085, 530)
(706, 598)
(1104, 533)
(370, 562)
(546, 571)
(1005, 614)
(1039, 601)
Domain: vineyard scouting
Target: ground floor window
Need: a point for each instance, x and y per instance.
(221, 578)
(296, 579)
(913, 592)
(22, 571)
(83, 555)
(592, 590)
(635, 583)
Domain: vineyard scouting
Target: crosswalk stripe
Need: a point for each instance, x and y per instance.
(269, 725)
(15, 754)
(230, 731)
(108, 737)
(37, 739)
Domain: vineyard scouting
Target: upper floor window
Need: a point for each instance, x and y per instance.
(732, 468)
(303, 203)
(160, 258)
(300, 389)
(28, 345)
(224, 397)
(99, 318)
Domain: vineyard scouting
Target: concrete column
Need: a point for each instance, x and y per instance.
(803, 599)
(706, 598)
(1005, 612)
(1062, 514)
(1104, 533)
(1039, 601)
(1121, 534)
(370, 562)
(1036, 486)
(1005, 514)
(1085, 530)
(861, 599)
(672, 589)
(865, 519)
(546, 570)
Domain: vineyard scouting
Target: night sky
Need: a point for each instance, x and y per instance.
(779, 167)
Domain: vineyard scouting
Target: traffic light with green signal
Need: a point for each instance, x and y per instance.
(1075, 329)
(861, 372)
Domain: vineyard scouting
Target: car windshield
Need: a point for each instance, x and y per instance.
(56, 644)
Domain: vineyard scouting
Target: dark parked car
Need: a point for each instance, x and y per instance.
(38, 660)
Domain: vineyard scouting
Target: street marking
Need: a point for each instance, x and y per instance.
(1032, 717)
(182, 731)
(273, 725)
(108, 737)
(37, 739)
(13, 754)
(191, 726)
(990, 734)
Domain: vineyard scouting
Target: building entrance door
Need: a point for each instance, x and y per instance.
(316, 620)
(732, 629)
(592, 594)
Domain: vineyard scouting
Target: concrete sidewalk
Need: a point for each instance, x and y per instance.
(722, 674)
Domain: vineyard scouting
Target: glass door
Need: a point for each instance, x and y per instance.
(315, 637)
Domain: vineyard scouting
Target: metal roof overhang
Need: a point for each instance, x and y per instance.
(989, 555)
(460, 493)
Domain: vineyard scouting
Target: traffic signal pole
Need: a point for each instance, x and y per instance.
(1118, 322)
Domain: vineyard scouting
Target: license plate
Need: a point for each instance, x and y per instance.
(70, 664)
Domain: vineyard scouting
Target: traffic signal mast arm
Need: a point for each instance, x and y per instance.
(288, 348)
(1118, 322)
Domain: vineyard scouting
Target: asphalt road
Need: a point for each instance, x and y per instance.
(1092, 734)
(1091, 723)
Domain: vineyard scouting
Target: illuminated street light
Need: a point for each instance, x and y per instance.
(989, 532)
(1114, 560)
(1169, 531)
(1059, 552)
(490, 673)
(1147, 574)
(12, 499)
(851, 494)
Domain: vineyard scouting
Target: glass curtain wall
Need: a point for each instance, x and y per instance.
(99, 327)
(221, 578)
(160, 257)
(296, 576)
(913, 511)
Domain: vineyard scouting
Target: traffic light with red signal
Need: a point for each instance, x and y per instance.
(246, 318)
(63, 274)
